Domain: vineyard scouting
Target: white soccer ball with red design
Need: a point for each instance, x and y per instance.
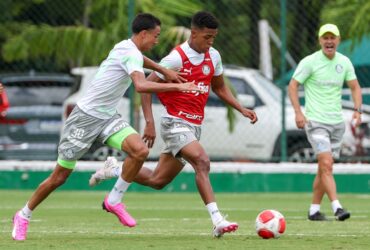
(270, 224)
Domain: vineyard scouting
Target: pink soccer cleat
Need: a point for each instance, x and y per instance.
(20, 226)
(120, 211)
(224, 226)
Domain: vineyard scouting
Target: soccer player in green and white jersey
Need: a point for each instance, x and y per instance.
(322, 74)
(95, 118)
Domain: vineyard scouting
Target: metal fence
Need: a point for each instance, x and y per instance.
(271, 36)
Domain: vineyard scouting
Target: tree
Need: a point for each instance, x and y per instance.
(86, 37)
(352, 17)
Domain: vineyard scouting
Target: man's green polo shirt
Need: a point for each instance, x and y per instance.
(323, 80)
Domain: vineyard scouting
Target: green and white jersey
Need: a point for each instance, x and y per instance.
(323, 81)
(112, 80)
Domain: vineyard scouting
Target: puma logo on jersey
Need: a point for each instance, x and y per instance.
(188, 71)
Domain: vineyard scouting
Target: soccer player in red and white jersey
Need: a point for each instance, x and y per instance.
(181, 124)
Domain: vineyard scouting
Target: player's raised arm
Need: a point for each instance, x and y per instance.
(144, 86)
(221, 90)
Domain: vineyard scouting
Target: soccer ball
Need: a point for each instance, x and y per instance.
(270, 224)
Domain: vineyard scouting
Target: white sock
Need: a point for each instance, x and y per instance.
(214, 212)
(335, 205)
(115, 196)
(314, 208)
(26, 212)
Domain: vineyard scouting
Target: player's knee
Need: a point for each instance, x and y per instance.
(140, 153)
(326, 166)
(203, 164)
(159, 185)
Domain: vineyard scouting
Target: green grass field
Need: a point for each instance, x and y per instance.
(75, 220)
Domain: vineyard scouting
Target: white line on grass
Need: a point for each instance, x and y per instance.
(168, 208)
(163, 233)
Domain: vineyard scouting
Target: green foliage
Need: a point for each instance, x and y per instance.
(87, 42)
(106, 22)
(231, 117)
(75, 45)
(351, 16)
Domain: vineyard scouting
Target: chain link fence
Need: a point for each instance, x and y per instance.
(269, 36)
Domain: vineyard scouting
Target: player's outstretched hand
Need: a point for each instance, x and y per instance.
(190, 87)
(174, 76)
(251, 115)
(149, 134)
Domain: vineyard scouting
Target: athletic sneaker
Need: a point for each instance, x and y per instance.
(317, 216)
(20, 226)
(120, 211)
(224, 226)
(341, 214)
(105, 172)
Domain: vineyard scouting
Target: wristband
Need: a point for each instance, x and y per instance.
(358, 110)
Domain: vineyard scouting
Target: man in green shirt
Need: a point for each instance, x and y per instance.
(322, 74)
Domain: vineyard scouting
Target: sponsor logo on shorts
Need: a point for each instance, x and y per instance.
(121, 126)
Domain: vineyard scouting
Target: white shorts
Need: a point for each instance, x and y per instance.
(325, 137)
(177, 133)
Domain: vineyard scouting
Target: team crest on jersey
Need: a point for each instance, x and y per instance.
(339, 68)
(206, 70)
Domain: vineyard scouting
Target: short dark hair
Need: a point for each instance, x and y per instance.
(204, 19)
(144, 21)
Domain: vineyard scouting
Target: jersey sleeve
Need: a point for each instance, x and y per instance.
(217, 62)
(132, 61)
(303, 70)
(350, 71)
(171, 61)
